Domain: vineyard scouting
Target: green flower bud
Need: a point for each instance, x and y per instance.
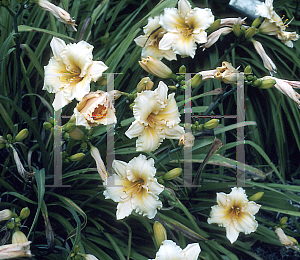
(243, 30)
(211, 124)
(10, 225)
(256, 83)
(283, 220)
(182, 69)
(83, 146)
(51, 120)
(172, 87)
(236, 28)
(250, 77)
(170, 175)
(24, 213)
(214, 26)
(66, 136)
(248, 70)
(47, 125)
(160, 233)
(199, 127)
(21, 135)
(256, 196)
(250, 32)
(76, 157)
(9, 137)
(257, 21)
(196, 80)
(267, 83)
(69, 127)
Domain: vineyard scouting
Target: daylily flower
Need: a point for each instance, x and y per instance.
(15, 251)
(134, 187)
(150, 41)
(70, 71)
(235, 213)
(273, 24)
(96, 108)
(58, 12)
(185, 27)
(170, 251)
(157, 118)
(214, 37)
(268, 63)
(286, 88)
(187, 139)
(286, 240)
(90, 257)
(99, 162)
(227, 73)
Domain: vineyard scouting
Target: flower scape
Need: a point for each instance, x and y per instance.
(149, 130)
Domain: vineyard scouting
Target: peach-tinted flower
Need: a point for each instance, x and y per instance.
(70, 71)
(185, 27)
(156, 118)
(96, 108)
(170, 251)
(134, 187)
(235, 213)
(150, 41)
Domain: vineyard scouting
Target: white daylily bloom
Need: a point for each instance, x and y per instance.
(227, 73)
(157, 118)
(213, 37)
(185, 27)
(287, 38)
(15, 250)
(170, 251)
(90, 257)
(235, 213)
(70, 71)
(286, 88)
(96, 108)
(187, 139)
(286, 240)
(134, 187)
(150, 41)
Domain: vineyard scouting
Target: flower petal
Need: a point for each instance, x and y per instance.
(57, 46)
(174, 133)
(231, 233)
(115, 188)
(200, 19)
(153, 24)
(184, 46)
(149, 140)
(252, 207)
(237, 197)
(192, 251)
(167, 40)
(96, 70)
(222, 199)
(220, 216)
(170, 251)
(141, 40)
(100, 165)
(120, 168)
(184, 7)
(124, 209)
(136, 129)
(245, 223)
(60, 100)
(53, 73)
(171, 20)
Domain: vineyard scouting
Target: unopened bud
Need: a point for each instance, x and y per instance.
(250, 32)
(256, 196)
(24, 213)
(256, 83)
(172, 87)
(76, 249)
(9, 137)
(51, 120)
(250, 77)
(83, 146)
(236, 28)
(5, 214)
(196, 80)
(199, 127)
(10, 225)
(283, 220)
(267, 83)
(248, 70)
(211, 124)
(156, 67)
(69, 127)
(160, 233)
(170, 175)
(19, 237)
(102, 81)
(77, 134)
(182, 69)
(47, 125)
(257, 21)
(144, 84)
(76, 157)
(214, 26)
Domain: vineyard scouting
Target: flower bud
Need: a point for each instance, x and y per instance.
(196, 80)
(199, 127)
(214, 26)
(9, 137)
(76, 157)
(182, 69)
(24, 213)
(267, 83)
(173, 174)
(257, 21)
(160, 233)
(102, 81)
(283, 220)
(47, 125)
(83, 146)
(250, 32)
(69, 127)
(211, 124)
(10, 225)
(248, 70)
(77, 134)
(256, 196)
(236, 28)
(256, 83)
(250, 77)
(5, 214)
(19, 237)
(144, 84)
(156, 67)
(51, 120)
(172, 87)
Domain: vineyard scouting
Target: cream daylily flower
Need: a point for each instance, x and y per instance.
(134, 187)
(96, 108)
(15, 250)
(227, 73)
(187, 139)
(150, 41)
(273, 24)
(156, 118)
(70, 71)
(185, 27)
(170, 251)
(286, 88)
(286, 240)
(235, 213)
